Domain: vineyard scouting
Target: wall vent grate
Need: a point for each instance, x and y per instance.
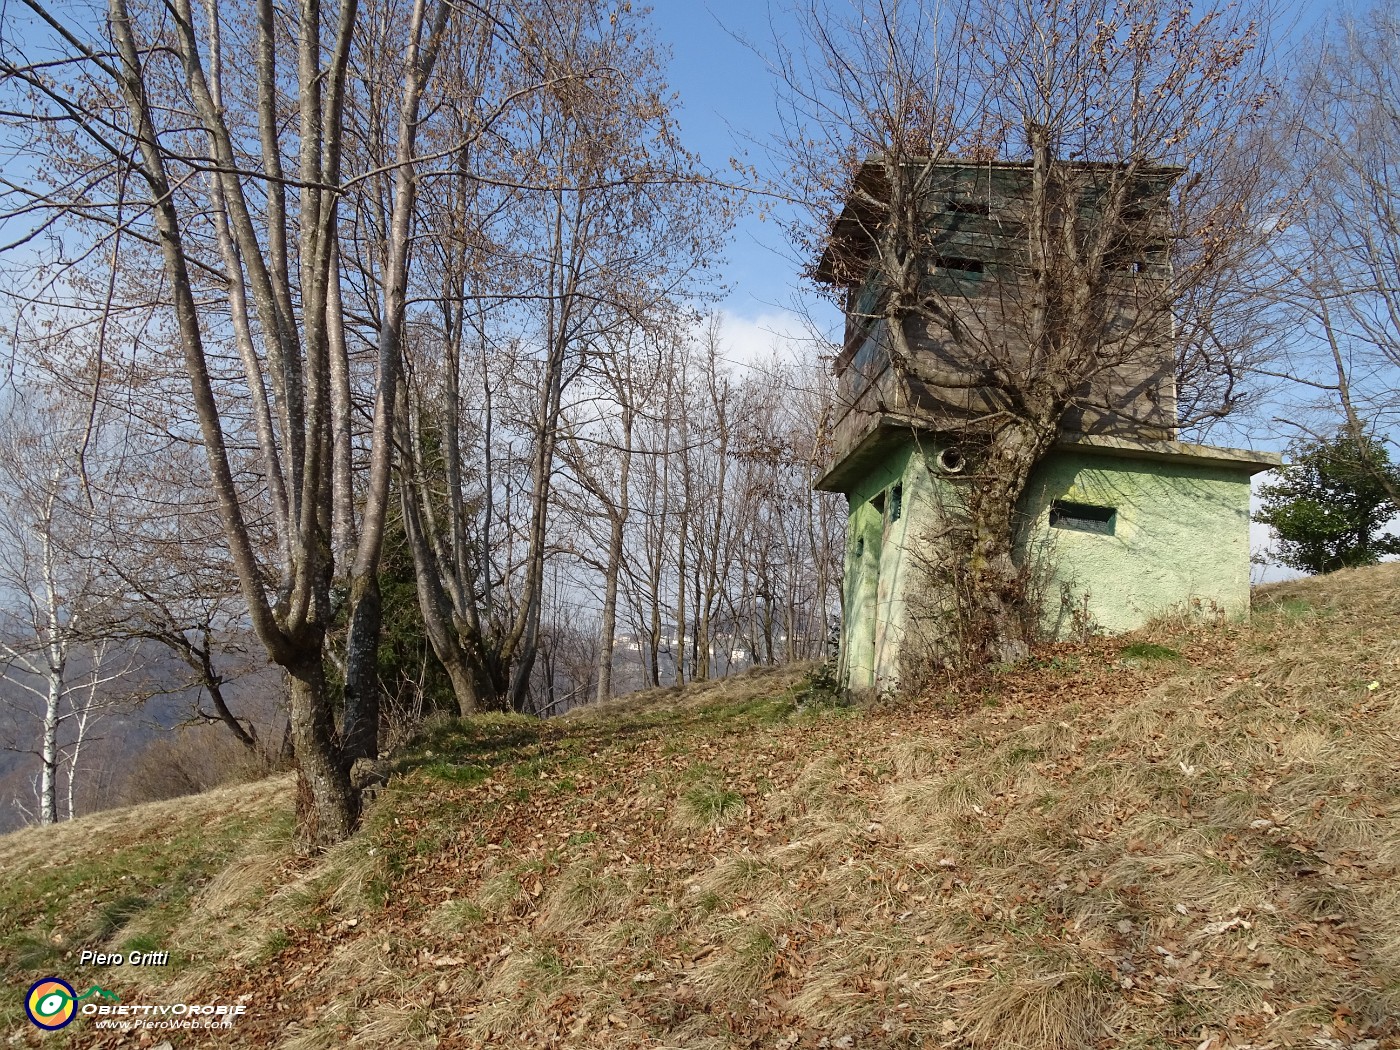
(1083, 517)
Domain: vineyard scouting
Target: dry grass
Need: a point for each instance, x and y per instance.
(1055, 1010)
(757, 681)
(74, 839)
(741, 967)
(709, 804)
(581, 895)
(1100, 851)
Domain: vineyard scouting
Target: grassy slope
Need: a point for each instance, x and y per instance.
(1189, 838)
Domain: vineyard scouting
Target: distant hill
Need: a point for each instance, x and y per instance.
(1188, 837)
(120, 734)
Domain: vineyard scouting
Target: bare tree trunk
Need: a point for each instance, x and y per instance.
(201, 659)
(361, 734)
(699, 657)
(680, 588)
(343, 533)
(445, 632)
(654, 638)
(48, 777)
(55, 633)
(327, 807)
(998, 619)
(366, 607)
(82, 715)
(616, 528)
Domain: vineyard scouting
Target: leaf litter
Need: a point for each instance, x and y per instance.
(1085, 852)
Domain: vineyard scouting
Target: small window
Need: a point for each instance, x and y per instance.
(1125, 258)
(1082, 517)
(949, 262)
(968, 206)
(860, 546)
(896, 503)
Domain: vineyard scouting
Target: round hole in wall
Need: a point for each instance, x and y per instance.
(952, 461)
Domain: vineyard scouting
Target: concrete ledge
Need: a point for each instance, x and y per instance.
(1172, 452)
(887, 430)
(890, 428)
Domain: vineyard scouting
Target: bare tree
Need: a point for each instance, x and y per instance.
(1339, 149)
(46, 526)
(240, 207)
(598, 460)
(1120, 118)
(604, 221)
(734, 451)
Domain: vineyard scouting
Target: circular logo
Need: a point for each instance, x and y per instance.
(51, 1003)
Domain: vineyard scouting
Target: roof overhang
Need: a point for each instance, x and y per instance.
(891, 430)
(1241, 459)
(887, 434)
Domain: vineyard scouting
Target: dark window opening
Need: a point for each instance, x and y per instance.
(1126, 259)
(896, 503)
(1082, 517)
(968, 206)
(949, 262)
(860, 546)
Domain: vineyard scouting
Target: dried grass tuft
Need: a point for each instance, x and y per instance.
(742, 967)
(453, 917)
(709, 805)
(739, 874)
(581, 895)
(1038, 1011)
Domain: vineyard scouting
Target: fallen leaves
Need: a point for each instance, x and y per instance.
(1197, 851)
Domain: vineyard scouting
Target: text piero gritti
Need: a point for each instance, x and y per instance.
(92, 958)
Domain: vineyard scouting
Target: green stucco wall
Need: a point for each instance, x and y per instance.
(875, 553)
(1180, 540)
(879, 584)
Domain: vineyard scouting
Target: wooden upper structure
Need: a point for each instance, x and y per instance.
(974, 248)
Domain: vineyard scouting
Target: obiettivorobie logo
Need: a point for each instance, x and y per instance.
(52, 1003)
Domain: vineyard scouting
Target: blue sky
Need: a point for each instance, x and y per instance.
(727, 109)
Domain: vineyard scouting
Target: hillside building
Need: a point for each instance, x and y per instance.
(1127, 521)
